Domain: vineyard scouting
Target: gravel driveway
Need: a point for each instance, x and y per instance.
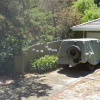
(42, 87)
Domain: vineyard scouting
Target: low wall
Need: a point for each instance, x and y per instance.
(34, 52)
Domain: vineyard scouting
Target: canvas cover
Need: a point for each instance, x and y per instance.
(90, 51)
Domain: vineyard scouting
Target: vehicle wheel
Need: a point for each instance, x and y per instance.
(64, 66)
(89, 67)
(74, 52)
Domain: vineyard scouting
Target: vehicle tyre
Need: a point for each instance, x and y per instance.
(89, 67)
(74, 52)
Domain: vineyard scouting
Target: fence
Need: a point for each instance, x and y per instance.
(34, 52)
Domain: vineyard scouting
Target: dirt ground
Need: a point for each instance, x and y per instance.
(69, 84)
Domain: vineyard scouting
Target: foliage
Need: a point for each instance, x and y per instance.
(27, 22)
(88, 9)
(97, 2)
(70, 17)
(91, 15)
(44, 64)
(21, 24)
(83, 5)
(12, 34)
(39, 25)
(56, 7)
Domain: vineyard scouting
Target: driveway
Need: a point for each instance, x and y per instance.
(43, 87)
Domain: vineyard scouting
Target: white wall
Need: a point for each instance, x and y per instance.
(93, 35)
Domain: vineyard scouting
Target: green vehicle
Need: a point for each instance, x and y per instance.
(79, 51)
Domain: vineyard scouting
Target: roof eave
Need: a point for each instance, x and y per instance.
(85, 29)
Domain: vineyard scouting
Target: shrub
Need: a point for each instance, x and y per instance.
(44, 64)
(91, 15)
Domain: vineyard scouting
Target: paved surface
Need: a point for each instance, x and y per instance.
(56, 85)
(57, 81)
(87, 88)
(61, 80)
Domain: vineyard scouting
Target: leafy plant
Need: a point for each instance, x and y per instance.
(83, 5)
(44, 64)
(97, 2)
(88, 9)
(91, 15)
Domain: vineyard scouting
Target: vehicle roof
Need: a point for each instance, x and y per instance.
(81, 39)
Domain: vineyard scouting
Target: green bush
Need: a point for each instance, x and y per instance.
(44, 64)
(90, 15)
(83, 5)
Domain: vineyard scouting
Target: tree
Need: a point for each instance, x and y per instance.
(97, 2)
(56, 8)
(21, 23)
(91, 15)
(12, 37)
(88, 9)
(40, 28)
(70, 17)
(27, 22)
(83, 5)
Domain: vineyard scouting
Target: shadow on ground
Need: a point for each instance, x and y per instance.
(77, 71)
(24, 88)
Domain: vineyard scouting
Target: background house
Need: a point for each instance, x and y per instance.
(89, 29)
